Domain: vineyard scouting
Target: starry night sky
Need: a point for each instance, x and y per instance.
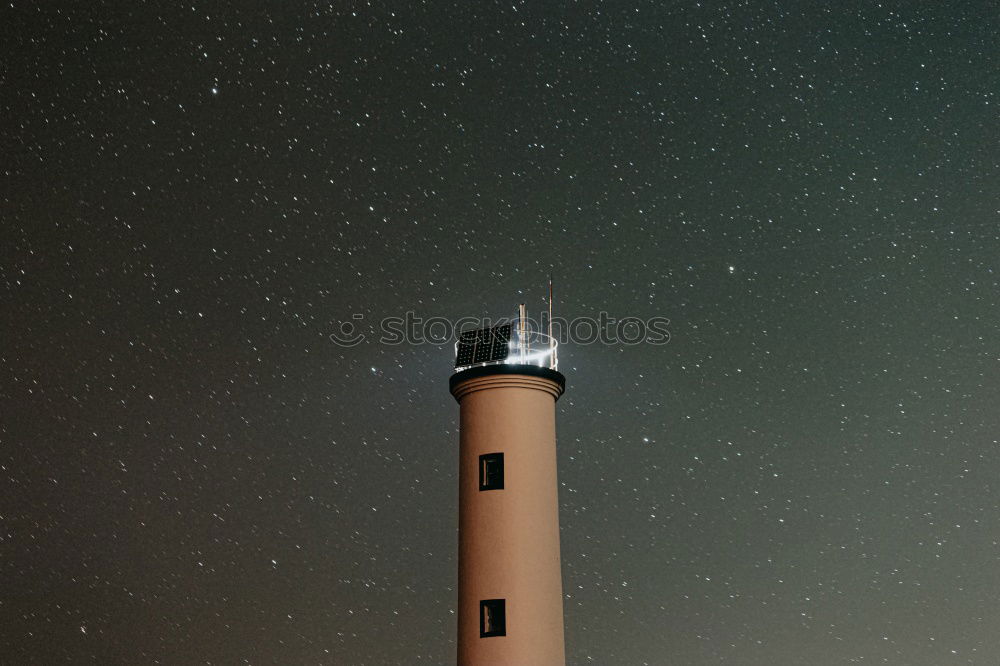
(195, 197)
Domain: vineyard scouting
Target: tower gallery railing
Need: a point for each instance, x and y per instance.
(525, 348)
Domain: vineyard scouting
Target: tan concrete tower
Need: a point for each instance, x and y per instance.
(510, 608)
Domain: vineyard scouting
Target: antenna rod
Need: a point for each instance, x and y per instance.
(552, 349)
(521, 333)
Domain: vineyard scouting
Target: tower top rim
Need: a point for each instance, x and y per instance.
(481, 371)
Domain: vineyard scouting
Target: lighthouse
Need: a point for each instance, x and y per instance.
(510, 602)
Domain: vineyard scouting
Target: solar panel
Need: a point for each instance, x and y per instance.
(466, 348)
(483, 345)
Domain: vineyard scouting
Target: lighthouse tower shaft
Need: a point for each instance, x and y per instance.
(509, 582)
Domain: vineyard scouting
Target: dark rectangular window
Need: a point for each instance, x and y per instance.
(492, 618)
(491, 471)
